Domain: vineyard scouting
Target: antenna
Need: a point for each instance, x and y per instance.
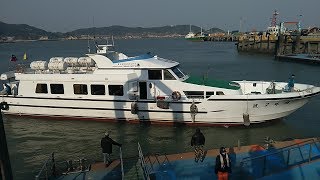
(274, 18)
(240, 24)
(112, 41)
(88, 44)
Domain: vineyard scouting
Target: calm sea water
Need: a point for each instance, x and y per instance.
(30, 141)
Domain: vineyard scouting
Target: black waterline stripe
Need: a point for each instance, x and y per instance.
(108, 100)
(177, 102)
(109, 109)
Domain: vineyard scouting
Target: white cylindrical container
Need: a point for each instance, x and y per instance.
(71, 61)
(85, 61)
(39, 65)
(56, 59)
(61, 66)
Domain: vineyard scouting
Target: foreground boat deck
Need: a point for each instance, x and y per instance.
(294, 159)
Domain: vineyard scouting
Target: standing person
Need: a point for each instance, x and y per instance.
(223, 164)
(106, 145)
(197, 141)
(291, 83)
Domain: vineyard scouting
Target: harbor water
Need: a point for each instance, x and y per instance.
(30, 141)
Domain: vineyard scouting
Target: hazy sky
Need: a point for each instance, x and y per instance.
(68, 15)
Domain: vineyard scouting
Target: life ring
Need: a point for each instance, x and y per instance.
(4, 106)
(176, 95)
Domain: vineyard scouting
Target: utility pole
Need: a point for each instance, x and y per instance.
(5, 166)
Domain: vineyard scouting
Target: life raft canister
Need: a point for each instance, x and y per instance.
(176, 95)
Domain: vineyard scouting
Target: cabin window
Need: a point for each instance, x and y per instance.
(56, 88)
(42, 88)
(194, 94)
(178, 72)
(209, 93)
(220, 93)
(97, 89)
(154, 74)
(80, 89)
(167, 75)
(115, 90)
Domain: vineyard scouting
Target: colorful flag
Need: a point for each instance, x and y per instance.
(13, 58)
(25, 56)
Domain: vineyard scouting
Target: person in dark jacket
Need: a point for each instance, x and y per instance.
(197, 141)
(223, 164)
(106, 145)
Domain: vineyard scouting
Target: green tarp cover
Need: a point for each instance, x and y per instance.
(213, 83)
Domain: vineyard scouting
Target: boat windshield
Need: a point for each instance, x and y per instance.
(178, 72)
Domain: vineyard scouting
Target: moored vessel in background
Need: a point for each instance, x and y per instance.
(195, 36)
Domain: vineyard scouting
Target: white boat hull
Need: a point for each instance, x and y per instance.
(216, 111)
(109, 85)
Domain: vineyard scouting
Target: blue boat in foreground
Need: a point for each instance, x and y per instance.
(292, 159)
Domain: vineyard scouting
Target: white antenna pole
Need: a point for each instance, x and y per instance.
(88, 44)
(112, 41)
(240, 24)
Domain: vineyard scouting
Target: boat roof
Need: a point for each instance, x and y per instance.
(144, 61)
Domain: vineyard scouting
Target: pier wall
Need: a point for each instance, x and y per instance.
(282, 45)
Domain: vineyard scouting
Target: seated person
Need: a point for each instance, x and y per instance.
(290, 86)
(291, 83)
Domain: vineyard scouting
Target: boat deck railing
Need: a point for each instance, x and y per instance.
(281, 159)
(51, 168)
(146, 171)
(151, 163)
(48, 168)
(121, 163)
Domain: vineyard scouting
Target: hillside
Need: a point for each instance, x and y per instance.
(121, 30)
(24, 31)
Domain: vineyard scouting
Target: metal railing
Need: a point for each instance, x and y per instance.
(52, 168)
(121, 161)
(151, 163)
(146, 172)
(156, 160)
(281, 159)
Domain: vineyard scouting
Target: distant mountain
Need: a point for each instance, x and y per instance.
(122, 30)
(23, 31)
(214, 30)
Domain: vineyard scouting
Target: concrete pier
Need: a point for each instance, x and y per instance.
(282, 45)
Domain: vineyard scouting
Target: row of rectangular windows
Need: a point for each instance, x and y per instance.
(82, 89)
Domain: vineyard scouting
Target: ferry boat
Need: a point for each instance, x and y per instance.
(110, 86)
